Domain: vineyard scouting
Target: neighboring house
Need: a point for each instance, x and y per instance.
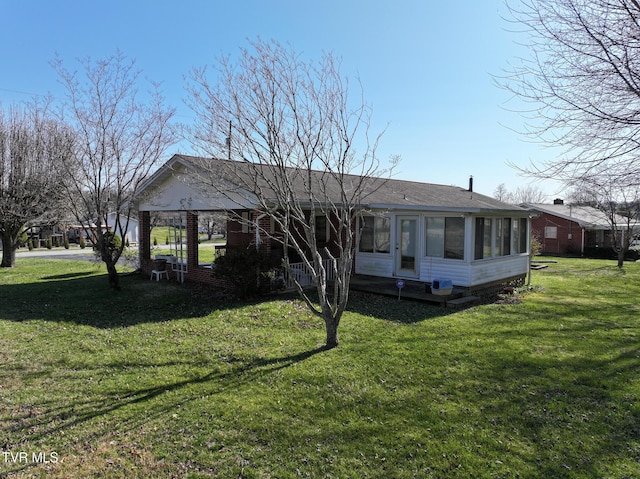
(132, 233)
(88, 230)
(410, 230)
(568, 229)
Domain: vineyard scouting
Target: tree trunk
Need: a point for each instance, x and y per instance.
(621, 253)
(110, 262)
(331, 325)
(114, 279)
(8, 250)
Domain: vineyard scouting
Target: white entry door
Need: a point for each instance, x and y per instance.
(406, 260)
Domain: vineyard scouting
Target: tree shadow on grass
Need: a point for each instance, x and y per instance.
(85, 298)
(406, 311)
(567, 409)
(45, 421)
(78, 274)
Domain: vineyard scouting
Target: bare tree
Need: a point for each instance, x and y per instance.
(32, 147)
(582, 80)
(619, 203)
(293, 137)
(522, 194)
(210, 223)
(120, 139)
(501, 193)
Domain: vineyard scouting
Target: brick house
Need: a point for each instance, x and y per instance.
(567, 229)
(406, 230)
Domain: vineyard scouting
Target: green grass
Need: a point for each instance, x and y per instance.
(206, 249)
(160, 380)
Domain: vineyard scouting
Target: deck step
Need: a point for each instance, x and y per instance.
(539, 266)
(462, 302)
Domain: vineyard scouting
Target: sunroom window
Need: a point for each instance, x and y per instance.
(483, 239)
(500, 237)
(520, 235)
(375, 234)
(445, 237)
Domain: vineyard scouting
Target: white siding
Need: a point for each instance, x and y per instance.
(465, 273)
(494, 269)
(460, 272)
(180, 192)
(374, 264)
(441, 268)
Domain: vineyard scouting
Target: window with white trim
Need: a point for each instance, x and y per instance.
(247, 226)
(500, 237)
(322, 229)
(551, 232)
(445, 237)
(375, 234)
(484, 238)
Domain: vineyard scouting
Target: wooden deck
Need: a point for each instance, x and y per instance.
(415, 290)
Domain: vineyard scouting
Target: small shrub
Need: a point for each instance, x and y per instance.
(155, 241)
(535, 245)
(245, 270)
(49, 243)
(82, 243)
(23, 239)
(66, 242)
(632, 255)
(112, 241)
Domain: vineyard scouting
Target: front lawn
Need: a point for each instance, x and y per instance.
(161, 381)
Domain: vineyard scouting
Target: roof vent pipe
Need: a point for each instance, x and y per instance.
(471, 183)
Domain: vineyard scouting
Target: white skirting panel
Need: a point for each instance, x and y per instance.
(374, 265)
(460, 272)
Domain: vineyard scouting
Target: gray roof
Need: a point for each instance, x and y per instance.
(375, 193)
(585, 216)
(430, 196)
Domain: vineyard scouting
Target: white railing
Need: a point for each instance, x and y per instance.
(303, 275)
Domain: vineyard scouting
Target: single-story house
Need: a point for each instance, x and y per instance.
(88, 230)
(569, 229)
(132, 232)
(406, 229)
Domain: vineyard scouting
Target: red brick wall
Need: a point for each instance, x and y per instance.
(568, 238)
(192, 241)
(235, 237)
(144, 245)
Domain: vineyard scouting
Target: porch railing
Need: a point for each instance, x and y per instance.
(303, 275)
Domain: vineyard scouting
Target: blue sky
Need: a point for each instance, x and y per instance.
(426, 66)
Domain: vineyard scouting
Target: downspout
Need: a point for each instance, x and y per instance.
(582, 242)
(257, 221)
(529, 249)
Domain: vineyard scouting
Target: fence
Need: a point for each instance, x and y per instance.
(303, 275)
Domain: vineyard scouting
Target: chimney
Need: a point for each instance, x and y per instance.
(471, 183)
(558, 201)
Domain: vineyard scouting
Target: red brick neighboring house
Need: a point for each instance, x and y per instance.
(567, 229)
